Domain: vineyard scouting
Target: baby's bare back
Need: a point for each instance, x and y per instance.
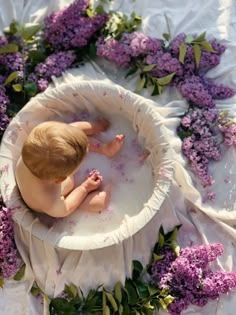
(37, 194)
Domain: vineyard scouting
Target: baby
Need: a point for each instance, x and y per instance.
(50, 156)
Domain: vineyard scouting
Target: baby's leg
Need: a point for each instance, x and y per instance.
(109, 149)
(97, 201)
(92, 127)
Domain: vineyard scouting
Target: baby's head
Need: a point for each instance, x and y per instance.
(53, 150)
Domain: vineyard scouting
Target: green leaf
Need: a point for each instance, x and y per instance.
(173, 235)
(163, 304)
(148, 67)
(175, 247)
(17, 87)
(137, 269)
(9, 48)
(136, 17)
(12, 76)
(35, 291)
(131, 291)
(121, 308)
(200, 38)
(166, 79)
(142, 289)
(31, 88)
(61, 306)
(155, 90)
(160, 88)
(183, 134)
(166, 36)
(153, 290)
(71, 290)
(1, 282)
(168, 299)
(107, 311)
(111, 300)
(118, 292)
(28, 30)
(164, 292)
(157, 257)
(188, 39)
(36, 56)
(131, 71)
(140, 85)
(182, 52)
(161, 230)
(197, 54)
(99, 9)
(89, 12)
(104, 302)
(207, 46)
(92, 50)
(12, 28)
(161, 240)
(20, 273)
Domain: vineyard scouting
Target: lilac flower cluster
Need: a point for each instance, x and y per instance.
(54, 64)
(200, 143)
(10, 62)
(195, 92)
(228, 129)
(69, 28)
(4, 119)
(130, 45)
(9, 258)
(165, 64)
(202, 91)
(208, 59)
(188, 278)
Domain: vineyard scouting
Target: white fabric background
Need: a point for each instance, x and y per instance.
(209, 222)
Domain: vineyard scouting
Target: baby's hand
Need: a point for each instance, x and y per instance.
(93, 181)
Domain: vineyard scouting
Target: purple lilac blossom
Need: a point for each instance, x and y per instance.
(218, 48)
(194, 91)
(130, 45)
(54, 64)
(138, 43)
(208, 59)
(188, 277)
(229, 132)
(165, 64)
(12, 62)
(9, 258)
(68, 28)
(112, 50)
(175, 43)
(200, 143)
(217, 90)
(4, 119)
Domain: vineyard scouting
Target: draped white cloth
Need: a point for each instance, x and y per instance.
(211, 221)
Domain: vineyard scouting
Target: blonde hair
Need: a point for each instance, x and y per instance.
(54, 149)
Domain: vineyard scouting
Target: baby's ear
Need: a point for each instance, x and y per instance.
(60, 179)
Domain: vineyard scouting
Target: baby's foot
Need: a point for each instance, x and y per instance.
(98, 200)
(113, 147)
(100, 125)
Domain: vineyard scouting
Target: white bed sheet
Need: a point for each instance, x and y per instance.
(210, 221)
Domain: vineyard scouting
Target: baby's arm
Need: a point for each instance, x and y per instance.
(92, 127)
(63, 206)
